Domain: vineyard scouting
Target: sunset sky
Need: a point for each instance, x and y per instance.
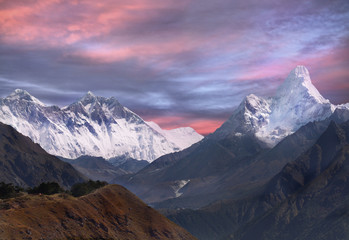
(176, 62)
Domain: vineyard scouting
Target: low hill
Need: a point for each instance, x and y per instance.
(111, 212)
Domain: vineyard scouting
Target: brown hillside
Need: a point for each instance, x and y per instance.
(108, 213)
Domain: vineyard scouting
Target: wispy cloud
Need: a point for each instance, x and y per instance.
(186, 62)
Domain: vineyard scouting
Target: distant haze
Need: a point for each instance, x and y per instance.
(178, 63)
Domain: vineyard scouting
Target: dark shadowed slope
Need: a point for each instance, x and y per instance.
(218, 168)
(109, 213)
(25, 163)
(308, 199)
(310, 195)
(98, 168)
(194, 173)
(95, 168)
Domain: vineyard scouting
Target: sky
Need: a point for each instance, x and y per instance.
(175, 62)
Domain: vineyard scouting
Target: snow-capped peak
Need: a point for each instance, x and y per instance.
(90, 93)
(20, 94)
(297, 85)
(89, 97)
(298, 78)
(295, 103)
(252, 103)
(252, 113)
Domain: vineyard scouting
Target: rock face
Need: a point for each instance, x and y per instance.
(94, 126)
(24, 163)
(108, 213)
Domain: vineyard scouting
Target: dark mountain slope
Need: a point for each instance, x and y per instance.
(109, 213)
(199, 168)
(218, 168)
(98, 168)
(238, 155)
(95, 168)
(130, 165)
(313, 191)
(308, 199)
(25, 163)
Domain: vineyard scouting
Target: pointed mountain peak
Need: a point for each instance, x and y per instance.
(300, 71)
(20, 94)
(298, 85)
(251, 98)
(298, 76)
(253, 103)
(88, 98)
(89, 93)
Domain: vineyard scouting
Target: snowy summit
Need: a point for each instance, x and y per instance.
(295, 103)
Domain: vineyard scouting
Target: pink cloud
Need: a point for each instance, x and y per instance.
(202, 126)
(56, 23)
(205, 127)
(111, 31)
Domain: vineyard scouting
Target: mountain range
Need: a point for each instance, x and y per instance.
(94, 126)
(276, 169)
(239, 156)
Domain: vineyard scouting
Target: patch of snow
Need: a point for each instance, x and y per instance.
(178, 185)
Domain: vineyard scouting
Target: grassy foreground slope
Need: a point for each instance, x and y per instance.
(111, 212)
